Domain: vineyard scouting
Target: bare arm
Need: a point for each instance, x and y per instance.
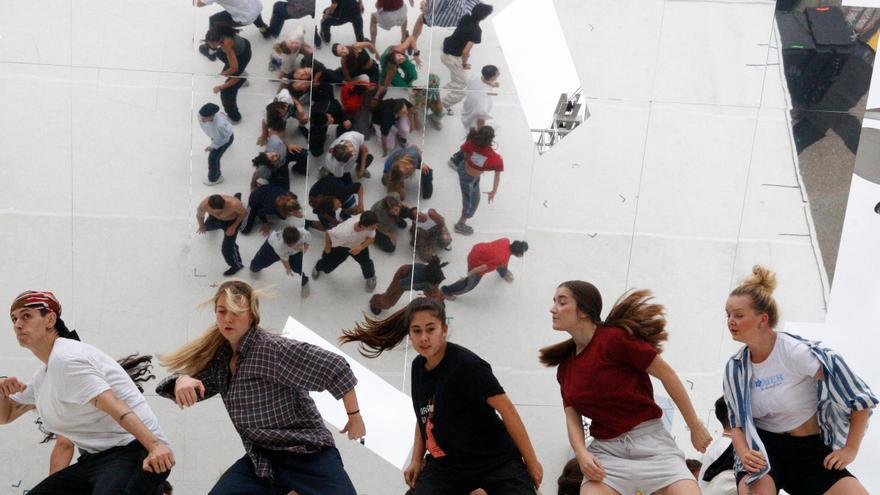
(660, 369)
(411, 474)
(62, 454)
(466, 53)
(11, 410)
(230, 56)
(200, 214)
(575, 426)
(160, 458)
(518, 433)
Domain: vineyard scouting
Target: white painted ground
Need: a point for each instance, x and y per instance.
(683, 178)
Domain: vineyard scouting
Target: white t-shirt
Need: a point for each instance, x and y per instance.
(276, 240)
(243, 12)
(62, 390)
(783, 387)
(289, 62)
(338, 168)
(478, 103)
(429, 222)
(719, 445)
(344, 235)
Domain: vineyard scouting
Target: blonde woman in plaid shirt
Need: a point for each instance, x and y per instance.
(265, 380)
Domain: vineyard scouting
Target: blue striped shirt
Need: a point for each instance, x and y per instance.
(840, 393)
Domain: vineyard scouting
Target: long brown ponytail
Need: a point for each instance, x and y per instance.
(378, 336)
(633, 312)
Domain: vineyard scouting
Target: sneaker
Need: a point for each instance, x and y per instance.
(304, 291)
(208, 182)
(508, 275)
(244, 75)
(315, 273)
(275, 62)
(435, 122)
(375, 310)
(464, 229)
(264, 30)
(205, 50)
(234, 122)
(371, 284)
(232, 270)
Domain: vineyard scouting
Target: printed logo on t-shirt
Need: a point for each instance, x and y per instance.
(478, 160)
(426, 412)
(769, 382)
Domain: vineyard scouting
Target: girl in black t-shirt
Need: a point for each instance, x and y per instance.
(455, 398)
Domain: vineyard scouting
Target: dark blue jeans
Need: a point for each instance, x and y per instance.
(467, 284)
(115, 471)
(267, 256)
(309, 474)
(229, 248)
(440, 477)
(214, 160)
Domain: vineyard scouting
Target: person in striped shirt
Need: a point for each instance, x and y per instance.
(797, 412)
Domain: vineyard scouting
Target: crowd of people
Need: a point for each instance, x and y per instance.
(793, 413)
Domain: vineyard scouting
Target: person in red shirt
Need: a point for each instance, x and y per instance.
(475, 157)
(484, 258)
(603, 371)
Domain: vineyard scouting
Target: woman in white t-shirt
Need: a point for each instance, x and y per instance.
(788, 431)
(87, 397)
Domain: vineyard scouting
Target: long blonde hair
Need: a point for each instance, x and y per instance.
(194, 356)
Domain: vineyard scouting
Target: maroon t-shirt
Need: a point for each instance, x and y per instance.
(607, 382)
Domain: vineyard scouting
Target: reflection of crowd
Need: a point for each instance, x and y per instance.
(338, 111)
(793, 413)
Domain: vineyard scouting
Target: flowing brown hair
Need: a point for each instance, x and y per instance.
(633, 312)
(378, 336)
(194, 356)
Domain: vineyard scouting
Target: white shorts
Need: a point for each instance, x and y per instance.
(644, 459)
(390, 19)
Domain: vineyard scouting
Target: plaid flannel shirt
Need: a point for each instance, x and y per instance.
(268, 396)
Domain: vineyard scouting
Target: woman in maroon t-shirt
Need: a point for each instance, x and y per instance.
(603, 372)
(475, 157)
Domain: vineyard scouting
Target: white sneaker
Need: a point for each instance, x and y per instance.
(371, 284)
(305, 291)
(209, 183)
(508, 275)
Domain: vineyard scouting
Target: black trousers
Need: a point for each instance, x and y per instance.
(383, 242)
(113, 471)
(440, 477)
(329, 261)
(224, 17)
(267, 256)
(279, 15)
(356, 20)
(229, 96)
(229, 248)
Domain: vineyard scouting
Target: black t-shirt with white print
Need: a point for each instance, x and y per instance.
(452, 398)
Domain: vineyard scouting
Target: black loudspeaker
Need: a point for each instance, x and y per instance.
(798, 49)
(834, 45)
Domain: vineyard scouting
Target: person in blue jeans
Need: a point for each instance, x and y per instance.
(484, 258)
(217, 127)
(288, 246)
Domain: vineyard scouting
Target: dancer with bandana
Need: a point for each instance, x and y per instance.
(86, 396)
